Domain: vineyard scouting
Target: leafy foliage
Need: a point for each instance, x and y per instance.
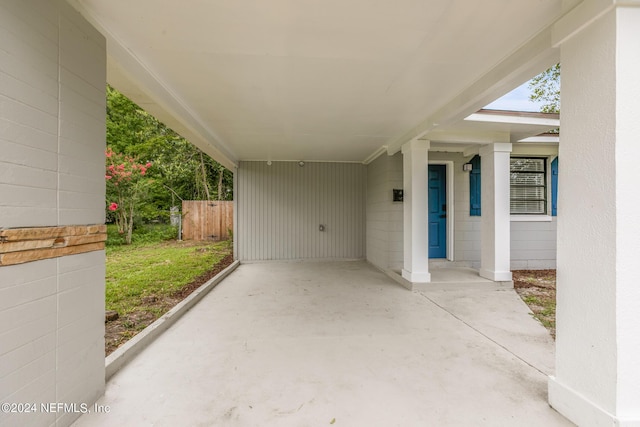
(180, 170)
(127, 186)
(143, 234)
(545, 88)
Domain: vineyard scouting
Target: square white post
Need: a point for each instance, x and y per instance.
(415, 157)
(495, 257)
(597, 380)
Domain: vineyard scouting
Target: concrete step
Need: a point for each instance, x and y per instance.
(444, 263)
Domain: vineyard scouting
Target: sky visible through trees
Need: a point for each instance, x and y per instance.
(519, 99)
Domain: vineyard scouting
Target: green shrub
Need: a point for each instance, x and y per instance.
(142, 234)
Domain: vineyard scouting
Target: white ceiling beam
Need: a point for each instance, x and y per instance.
(158, 98)
(473, 136)
(581, 17)
(534, 149)
(375, 155)
(513, 119)
(533, 57)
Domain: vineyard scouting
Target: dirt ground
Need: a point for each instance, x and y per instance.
(119, 331)
(537, 288)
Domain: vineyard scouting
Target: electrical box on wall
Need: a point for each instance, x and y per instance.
(398, 195)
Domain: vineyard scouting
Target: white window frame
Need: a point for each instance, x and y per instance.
(546, 217)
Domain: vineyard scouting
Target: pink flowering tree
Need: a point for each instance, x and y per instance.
(127, 186)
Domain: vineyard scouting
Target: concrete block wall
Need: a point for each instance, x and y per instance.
(52, 140)
(533, 245)
(384, 217)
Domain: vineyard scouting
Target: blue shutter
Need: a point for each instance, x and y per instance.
(474, 187)
(554, 187)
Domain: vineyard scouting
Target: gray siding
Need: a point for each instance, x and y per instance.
(52, 140)
(280, 208)
(533, 244)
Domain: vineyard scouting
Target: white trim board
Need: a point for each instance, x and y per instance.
(450, 205)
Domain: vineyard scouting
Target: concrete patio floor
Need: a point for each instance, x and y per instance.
(339, 343)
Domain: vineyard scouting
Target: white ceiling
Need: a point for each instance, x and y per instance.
(329, 80)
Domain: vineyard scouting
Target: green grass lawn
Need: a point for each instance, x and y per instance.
(146, 279)
(139, 273)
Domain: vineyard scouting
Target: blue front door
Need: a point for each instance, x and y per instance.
(437, 211)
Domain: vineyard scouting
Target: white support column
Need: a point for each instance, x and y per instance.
(416, 240)
(597, 380)
(235, 212)
(495, 257)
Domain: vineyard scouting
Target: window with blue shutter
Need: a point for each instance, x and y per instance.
(474, 187)
(528, 186)
(554, 187)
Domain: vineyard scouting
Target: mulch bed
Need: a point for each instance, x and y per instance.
(121, 330)
(537, 288)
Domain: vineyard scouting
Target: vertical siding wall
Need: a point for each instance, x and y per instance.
(52, 138)
(280, 208)
(384, 217)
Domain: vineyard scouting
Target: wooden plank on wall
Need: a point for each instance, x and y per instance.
(60, 242)
(20, 245)
(13, 258)
(35, 233)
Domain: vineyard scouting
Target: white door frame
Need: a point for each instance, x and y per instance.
(450, 204)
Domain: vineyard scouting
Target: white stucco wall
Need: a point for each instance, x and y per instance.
(586, 264)
(597, 379)
(52, 138)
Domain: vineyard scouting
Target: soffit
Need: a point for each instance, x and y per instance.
(301, 79)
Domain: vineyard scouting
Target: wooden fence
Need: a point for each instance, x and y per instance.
(206, 220)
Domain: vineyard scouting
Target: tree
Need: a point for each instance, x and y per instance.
(545, 88)
(180, 170)
(127, 186)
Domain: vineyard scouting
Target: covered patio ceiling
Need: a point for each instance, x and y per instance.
(319, 80)
(487, 126)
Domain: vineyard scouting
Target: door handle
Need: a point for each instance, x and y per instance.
(443, 216)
